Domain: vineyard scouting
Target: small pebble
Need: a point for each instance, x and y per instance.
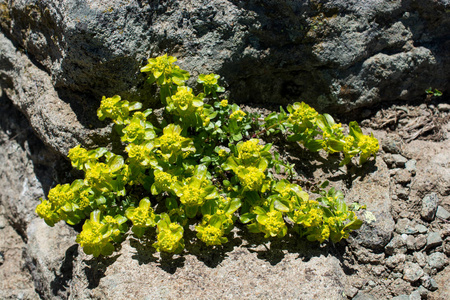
(411, 166)
(420, 259)
(396, 245)
(399, 160)
(442, 213)
(392, 144)
(421, 228)
(396, 261)
(433, 240)
(410, 242)
(421, 241)
(429, 206)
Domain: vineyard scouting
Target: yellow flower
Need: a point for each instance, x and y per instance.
(238, 115)
(251, 178)
(224, 103)
(210, 235)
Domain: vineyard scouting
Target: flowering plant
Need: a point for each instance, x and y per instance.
(204, 164)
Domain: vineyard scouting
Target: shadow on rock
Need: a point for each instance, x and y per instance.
(96, 269)
(62, 279)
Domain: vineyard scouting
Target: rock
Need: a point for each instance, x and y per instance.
(429, 283)
(410, 242)
(351, 291)
(421, 241)
(421, 228)
(437, 260)
(442, 213)
(412, 272)
(444, 107)
(363, 296)
(433, 240)
(429, 206)
(422, 291)
(415, 296)
(420, 259)
(399, 160)
(396, 261)
(392, 144)
(389, 160)
(401, 297)
(411, 166)
(241, 41)
(402, 177)
(396, 245)
(405, 226)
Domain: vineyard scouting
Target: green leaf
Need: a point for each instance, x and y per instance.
(280, 206)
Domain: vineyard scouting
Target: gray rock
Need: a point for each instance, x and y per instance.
(429, 283)
(396, 245)
(410, 242)
(364, 296)
(402, 177)
(420, 259)
(401, 297)
(396, 261)
(405, 226)
(442, 213)
(412, 272)
(411, 166)
(391, 144)
(415, 296)
(429, 206)
(444, 107)
(433, 240)
(421, 228)
(399, 160)
(421, 241)
(298, 54)
(437, 260)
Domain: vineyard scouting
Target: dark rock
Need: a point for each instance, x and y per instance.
(429, 206)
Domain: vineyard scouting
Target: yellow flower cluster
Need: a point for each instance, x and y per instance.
(249, 151)
(224, 103)
(251, 178)
(238, 115)
(192, 196)
(302, 114)
(368, 145)
(273, 224)
(210, 235)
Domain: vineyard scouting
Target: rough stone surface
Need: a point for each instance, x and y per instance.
(437, 260)
(442, 213)
(337, 54)
(57, 58)
(412, 272)
(429, 206)
(434, 239)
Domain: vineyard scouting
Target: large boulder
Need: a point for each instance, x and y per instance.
(60, 57)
